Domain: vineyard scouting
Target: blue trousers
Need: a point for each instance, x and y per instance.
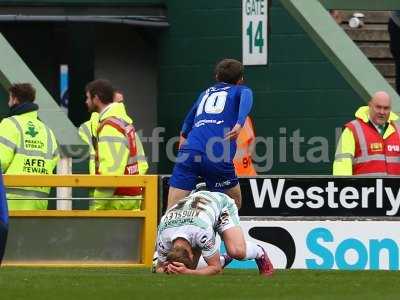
(3, 218)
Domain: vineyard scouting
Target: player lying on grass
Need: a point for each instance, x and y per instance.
(188, 230)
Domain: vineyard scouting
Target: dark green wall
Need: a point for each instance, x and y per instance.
(45, 46)
(299, 89)
(37, 49)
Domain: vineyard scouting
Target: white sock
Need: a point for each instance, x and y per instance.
(222, 260)
(253, 251)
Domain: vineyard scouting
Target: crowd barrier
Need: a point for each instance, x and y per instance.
(77, 237)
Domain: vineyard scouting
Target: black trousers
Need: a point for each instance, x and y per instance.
(394, 33)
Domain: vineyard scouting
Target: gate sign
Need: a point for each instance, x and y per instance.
(254, 32)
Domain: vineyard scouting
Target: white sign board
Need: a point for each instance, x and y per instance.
(254, 32)
(343, 245)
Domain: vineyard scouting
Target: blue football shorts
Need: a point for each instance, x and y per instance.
(190, 165)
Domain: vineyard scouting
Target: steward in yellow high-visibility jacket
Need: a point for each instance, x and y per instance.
(370, 144)
(89, 128)
(111, 147)
(27, 146)
(86, 133)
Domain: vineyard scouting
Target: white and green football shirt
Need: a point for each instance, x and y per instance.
(197, 218)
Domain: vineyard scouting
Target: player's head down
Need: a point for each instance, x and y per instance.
(181, 253)
(229, 71)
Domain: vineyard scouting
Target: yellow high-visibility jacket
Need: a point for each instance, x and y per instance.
(343, 164)
(86, 133)
(29, 147)
(113, 154)
(88, 128)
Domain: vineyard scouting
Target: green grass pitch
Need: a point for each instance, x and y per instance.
(132, 283)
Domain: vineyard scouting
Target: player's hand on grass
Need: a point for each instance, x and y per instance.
(177, 268)
(161, 267)
(233, 134)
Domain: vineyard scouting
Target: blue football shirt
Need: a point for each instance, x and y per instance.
(217, 110)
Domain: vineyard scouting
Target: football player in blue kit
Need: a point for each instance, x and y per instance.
(209, 136)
